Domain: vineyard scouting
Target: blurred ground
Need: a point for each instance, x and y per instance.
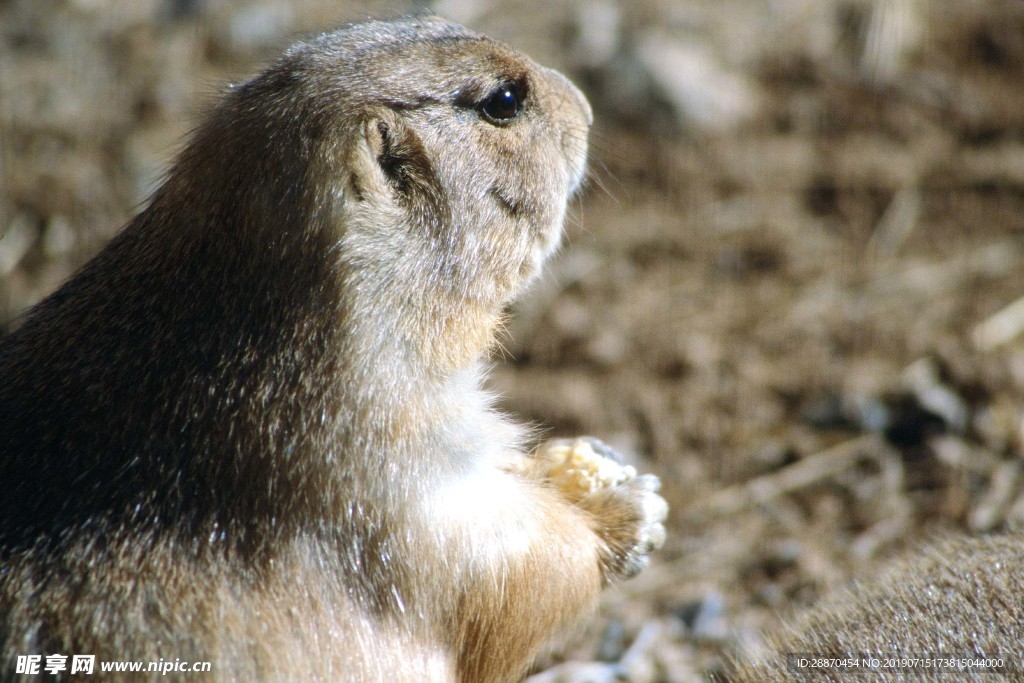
(792, 288)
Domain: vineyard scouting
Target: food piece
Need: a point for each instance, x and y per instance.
(582, 466)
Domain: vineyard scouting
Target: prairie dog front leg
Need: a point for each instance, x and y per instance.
(626, 511)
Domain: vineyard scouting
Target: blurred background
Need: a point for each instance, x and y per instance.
(793, 287)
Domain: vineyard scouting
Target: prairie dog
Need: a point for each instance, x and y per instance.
(957, 598)
(251, 431)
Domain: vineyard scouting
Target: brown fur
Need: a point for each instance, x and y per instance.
(958, 597)
(251, 430)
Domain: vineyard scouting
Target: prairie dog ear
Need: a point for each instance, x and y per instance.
(389, 158)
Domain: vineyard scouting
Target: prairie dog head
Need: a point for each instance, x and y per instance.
(431, 166)
(465, 144)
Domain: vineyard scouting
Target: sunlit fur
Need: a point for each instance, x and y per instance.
(958, 597)
(252, 429)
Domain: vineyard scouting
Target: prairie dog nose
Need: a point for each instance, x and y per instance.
(573, 91)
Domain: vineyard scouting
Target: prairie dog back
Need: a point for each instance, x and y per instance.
(251, 431)
(956, 599)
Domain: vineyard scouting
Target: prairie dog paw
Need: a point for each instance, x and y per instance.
(628, 514)
(630, 520)
(582, 466)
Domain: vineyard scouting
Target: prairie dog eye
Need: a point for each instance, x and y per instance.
(502, 104)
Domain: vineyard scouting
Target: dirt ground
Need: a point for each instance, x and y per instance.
(792, 289)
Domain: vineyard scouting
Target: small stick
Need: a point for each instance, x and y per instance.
(1000, 328)
(807, 471)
